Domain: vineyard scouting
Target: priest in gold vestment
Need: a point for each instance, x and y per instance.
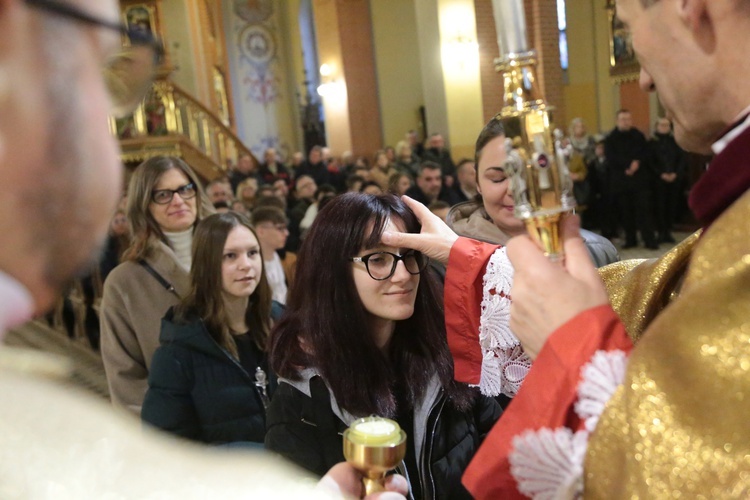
(640, 386)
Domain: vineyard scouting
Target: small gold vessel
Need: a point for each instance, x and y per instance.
(374, 446)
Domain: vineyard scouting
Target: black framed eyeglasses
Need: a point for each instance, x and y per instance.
(164, 196)
(382, 265)
(128, 74)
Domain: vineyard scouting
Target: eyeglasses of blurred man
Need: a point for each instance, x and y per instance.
(129, 72)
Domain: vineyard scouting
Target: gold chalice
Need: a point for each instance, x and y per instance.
(374, 446)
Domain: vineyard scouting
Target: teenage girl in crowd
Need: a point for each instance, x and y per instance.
(364, 334)
(210, 380)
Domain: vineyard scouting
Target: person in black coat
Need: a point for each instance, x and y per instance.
(384, 354)
(209, 379)
(315, 167)
(630, 174)
(272, 169)
(670, 165)
(438, 153)
(429, 186)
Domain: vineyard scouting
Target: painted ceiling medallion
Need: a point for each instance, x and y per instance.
(257, 44)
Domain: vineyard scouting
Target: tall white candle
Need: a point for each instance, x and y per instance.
(510, 23)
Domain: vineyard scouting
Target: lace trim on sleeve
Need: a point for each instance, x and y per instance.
(599, 380)
(548, 464)
(504, 364)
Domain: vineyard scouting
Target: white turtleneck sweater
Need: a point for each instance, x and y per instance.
(182, 244)
(276, 278)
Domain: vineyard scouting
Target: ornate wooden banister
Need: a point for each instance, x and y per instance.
(170, 121)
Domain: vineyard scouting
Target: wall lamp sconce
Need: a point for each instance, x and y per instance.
(461, 52)
(329, 86)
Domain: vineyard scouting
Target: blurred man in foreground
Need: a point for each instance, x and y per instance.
(60, 179)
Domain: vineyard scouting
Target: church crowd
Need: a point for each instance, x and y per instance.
(228, 317)
(269, 310)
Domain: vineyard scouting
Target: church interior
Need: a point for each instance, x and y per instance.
(241, 76)
(357, 75)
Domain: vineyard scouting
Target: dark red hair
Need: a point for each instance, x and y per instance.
(326, 327)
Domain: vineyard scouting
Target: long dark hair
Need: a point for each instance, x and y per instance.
(205, 297)
(326, 325)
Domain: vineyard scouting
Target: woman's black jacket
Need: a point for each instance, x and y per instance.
(197, 390)
(305, 426)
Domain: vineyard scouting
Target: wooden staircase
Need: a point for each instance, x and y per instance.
(170, 121)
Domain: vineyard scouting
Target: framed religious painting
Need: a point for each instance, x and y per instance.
(142, 16)
(623, 64)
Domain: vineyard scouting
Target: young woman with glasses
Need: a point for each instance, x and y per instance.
(209, 381)
(364, 334)
(165, 202)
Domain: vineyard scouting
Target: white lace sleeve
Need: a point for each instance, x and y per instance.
(504, 364)
(548, 464)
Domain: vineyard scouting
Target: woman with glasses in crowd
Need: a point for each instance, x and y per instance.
(165, 202)
(209, 381)
(364, 334)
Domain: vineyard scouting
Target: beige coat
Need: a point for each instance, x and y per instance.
(133, 305)
(469, 219)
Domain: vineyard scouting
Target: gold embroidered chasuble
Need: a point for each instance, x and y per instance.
(678, 426)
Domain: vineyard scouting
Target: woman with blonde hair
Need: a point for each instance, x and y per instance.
(209, 380)
(405, 160)
(381, 170)
(165, 202)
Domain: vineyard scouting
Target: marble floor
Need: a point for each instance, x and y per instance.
(641, 252)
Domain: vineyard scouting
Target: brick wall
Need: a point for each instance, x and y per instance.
(491, 81)
(541, 29)
(355, 33)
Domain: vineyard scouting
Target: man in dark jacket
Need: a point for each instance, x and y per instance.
(670, 164)
(466, 186)
(272, 169)
(627, 160)
(315, 167)
(429, 186)
(44, 44)
(438, 153)
(245, 169)
(304, 194)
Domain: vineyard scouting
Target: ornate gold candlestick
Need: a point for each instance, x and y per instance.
(537, 164)
(374, 446)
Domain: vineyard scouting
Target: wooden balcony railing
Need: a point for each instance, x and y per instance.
(170, 121)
